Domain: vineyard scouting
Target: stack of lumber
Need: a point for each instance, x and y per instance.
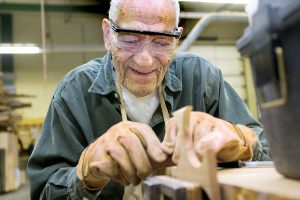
(8, 103)
(9, 142)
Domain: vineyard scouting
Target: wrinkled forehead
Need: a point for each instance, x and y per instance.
(147, 15)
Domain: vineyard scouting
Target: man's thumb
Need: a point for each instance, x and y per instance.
(170, 137)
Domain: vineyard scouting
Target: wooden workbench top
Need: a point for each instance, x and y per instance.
(263, 183)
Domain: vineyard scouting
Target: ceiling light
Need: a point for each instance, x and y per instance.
(6, 48)
(218, 1)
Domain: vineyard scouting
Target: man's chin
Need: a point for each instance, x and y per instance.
(141, 91)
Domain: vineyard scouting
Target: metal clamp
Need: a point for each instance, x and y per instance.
(282, 82)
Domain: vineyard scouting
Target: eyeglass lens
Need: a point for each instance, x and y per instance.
(133, 42)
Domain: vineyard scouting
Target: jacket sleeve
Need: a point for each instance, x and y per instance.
(52, 164)
(223, 102)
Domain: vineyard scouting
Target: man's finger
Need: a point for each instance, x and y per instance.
(170, 137)
(109, 168)
(214, 141)
(136, 154)
(150, 141)
(119, 154)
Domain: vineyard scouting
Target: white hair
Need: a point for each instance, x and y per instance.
(114, 9)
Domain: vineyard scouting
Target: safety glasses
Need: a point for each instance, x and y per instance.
(134, 40)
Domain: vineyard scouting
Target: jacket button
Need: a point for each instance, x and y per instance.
(116, 95)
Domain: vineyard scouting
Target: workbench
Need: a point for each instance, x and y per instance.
(244, 183)
(259, 183)
(195, 180)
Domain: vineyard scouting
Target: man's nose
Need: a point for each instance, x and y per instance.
(144, 57)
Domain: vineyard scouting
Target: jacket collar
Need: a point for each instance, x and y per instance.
(104, 82)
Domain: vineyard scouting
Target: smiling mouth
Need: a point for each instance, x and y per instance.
(142, 73)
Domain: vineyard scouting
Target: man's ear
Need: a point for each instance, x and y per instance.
(106, 33)
(180, 29)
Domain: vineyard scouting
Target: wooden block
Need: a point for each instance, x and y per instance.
(189, 167)
(10, 161)
(2, 172)
(165, 186)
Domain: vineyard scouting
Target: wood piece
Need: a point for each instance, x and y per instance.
(263, 183)
(2, 170)
(172, 188)
(189, 168)
(10, 161)
(190, 176)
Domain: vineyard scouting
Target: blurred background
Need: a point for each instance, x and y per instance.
(63, 34)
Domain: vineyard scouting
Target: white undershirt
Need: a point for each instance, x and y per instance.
(140, 109)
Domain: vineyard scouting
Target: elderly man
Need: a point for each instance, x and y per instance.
(108, 117)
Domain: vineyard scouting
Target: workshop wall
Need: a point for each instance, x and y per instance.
(236, 70)
(65, 31)
(226, 58)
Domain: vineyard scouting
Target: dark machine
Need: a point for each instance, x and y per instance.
(272, 43)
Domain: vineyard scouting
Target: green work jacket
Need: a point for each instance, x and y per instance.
(85, 105)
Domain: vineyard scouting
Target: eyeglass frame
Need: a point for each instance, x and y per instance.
(176, 34)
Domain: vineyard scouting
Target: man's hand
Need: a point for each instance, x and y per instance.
(230, 142)
(125, 153)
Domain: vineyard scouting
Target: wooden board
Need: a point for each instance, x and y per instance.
(160, 187)
(189, 168)
(2, 172)
(263, 183)
(10, 161)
